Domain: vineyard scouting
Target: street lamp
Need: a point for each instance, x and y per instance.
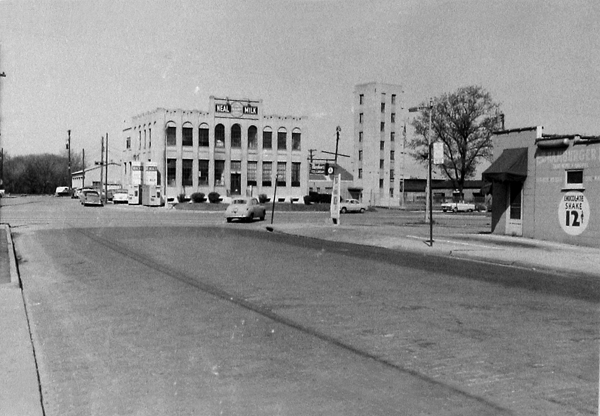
(428, 191)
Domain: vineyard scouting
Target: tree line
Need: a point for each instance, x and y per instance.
(37, 174)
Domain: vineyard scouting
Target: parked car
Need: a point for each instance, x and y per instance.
(352, 205)
(62, 191)
(458, 207)
(245, 208)
(90, 197)
(119, 196)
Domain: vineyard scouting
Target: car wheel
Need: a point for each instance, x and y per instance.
(251, 217)
(228, 219)
(343, 210)
(362, 210)
(469, 210)
(455, 210)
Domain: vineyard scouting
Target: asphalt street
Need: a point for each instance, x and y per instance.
(178, 313)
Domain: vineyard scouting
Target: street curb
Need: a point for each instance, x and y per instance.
(15, 280)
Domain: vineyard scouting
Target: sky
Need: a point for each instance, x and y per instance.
(88, 66)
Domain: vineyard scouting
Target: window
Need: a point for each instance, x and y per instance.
(236, 166)
(236, 136)
(574, 179)
(381, 145)
(128, 142)
(252, 137)
(360, 153)
(361, 99)
(281, 139)
(149, 138)
(140, 139)
(295, 174)
(380, 183)
(392, 136)
(383, 107)
(391, 175)
(145, 139)
(187, 135)
(360, 174)
(171, 137)
(252, 173)
(203, 135)
(267, 138)
(391, 192)
(381, 163)
(360, 136)
(219, 173)
(393, 98)
(392, 155)
(281, 173)
(171, 172)
(296, 139)
(203, 172)
(186, 170)
(219, 136)
(267, 170)
(382, 126)
(393, 118)
(360, 118)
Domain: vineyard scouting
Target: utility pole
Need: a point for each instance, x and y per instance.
(337, 141)
(101, 166)
(2, 75)
(69, 151)
(83, 170)
(106, 173)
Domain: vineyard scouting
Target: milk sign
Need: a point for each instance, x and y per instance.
(573, 212)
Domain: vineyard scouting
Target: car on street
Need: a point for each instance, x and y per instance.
(245, 209)
(352, 205)
(62, 191)
(119, 196)
(458, 207)
(91, 197)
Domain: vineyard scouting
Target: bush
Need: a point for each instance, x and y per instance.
(214, 197)
(307, 200)
(182, 198)
(198, 197)
(262, 198)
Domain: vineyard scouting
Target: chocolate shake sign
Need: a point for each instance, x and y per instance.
(573, 213)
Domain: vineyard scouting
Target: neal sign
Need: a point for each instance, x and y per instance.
(236, 109)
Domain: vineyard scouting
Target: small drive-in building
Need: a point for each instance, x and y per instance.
(546, 186)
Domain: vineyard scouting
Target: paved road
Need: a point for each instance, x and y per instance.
(157, 318)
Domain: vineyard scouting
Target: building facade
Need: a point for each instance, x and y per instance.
(91, 177)
(233, 149)
(545, 186)
(379, 142)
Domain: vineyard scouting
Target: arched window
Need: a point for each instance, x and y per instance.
(171, 134)
(296, 139)
(267, 138)
(282, 139)
(187, 134)
(219, 135)
(252, 137)
(203, 135)
(236, 136)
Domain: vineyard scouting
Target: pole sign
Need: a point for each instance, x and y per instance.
(438, 153)
(573, 213)
(335, 199)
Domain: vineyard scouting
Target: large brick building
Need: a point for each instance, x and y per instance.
(233, 149)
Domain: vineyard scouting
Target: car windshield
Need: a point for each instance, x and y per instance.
(239, 201)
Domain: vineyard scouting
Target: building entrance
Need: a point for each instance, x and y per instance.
(236, 183)
(514, 224)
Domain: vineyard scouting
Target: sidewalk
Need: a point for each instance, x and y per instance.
(19, 387)
(521, 252)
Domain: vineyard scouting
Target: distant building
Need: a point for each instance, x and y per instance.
(379, 168)
(323, 184)
(90, 177)
(233, 149)
(546, 186)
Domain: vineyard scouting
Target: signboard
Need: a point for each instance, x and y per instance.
(573, 212)
(236, 109)
(335, 199)
(317, 168)
(438, 153)
(150, 173)
(136, 173)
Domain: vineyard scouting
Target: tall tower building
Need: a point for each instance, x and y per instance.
(379, 143)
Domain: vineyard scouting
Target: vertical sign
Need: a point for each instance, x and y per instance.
(136, 173)
(438, 153)
(335, 199)
(573, 212)
(150, 173)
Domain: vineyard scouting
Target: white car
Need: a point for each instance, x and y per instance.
(245, 209)
(352, 205)
(120, 196)
(458, 207)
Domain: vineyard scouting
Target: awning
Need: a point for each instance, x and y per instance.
(510, 166)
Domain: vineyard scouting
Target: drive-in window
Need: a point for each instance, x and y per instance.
(574, 179)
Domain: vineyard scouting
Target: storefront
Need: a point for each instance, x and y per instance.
(545, 186)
